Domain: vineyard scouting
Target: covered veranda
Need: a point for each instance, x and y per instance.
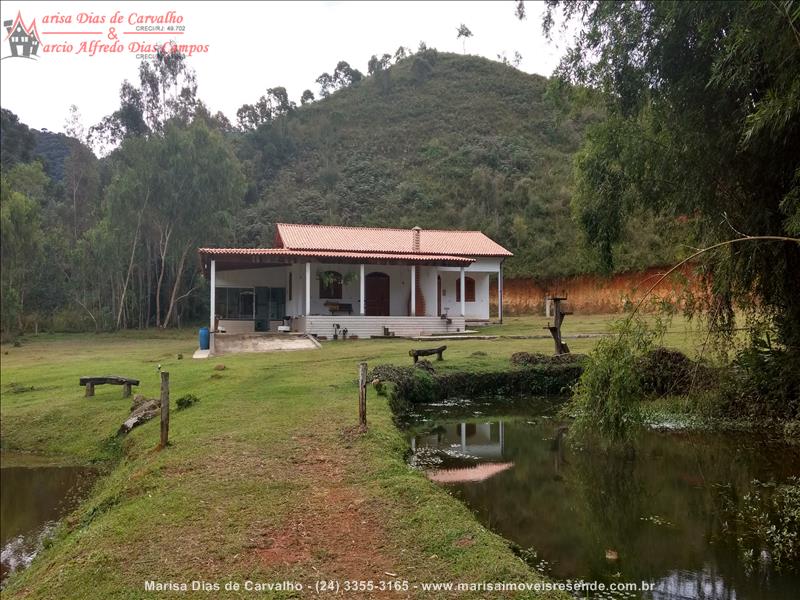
(345, 293)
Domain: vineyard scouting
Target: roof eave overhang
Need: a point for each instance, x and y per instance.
(229, 261)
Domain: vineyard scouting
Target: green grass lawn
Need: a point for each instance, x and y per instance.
(264, 478)
(681, 333)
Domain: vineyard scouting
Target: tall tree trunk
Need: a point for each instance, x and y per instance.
(113, 293)
(139, 302)
(75, 209)
(21, 310)
(176, 285)
(149, 275)
(84, 307)
(133, 255)
(163, 246)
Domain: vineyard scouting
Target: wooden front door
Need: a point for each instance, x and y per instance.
(376, 290)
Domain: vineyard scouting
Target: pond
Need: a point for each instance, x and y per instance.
(32, 499)
(654, 514)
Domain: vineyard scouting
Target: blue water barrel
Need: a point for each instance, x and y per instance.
(204, 338)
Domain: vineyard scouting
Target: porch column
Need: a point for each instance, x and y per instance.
(213, 302)
(413, 290)
(308, 288)
(500, 293)
(463, 295)
(362, 293)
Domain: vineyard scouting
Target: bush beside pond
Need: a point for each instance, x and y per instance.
(758, 387)
(419, 385)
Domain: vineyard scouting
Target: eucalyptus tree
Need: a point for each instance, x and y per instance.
(22, 192)
(464, 34)
(379, 69)
(201, 186)
(167, 90)
(326, 84)
(307, 97)
(81, 174)
(177, 191)
(344, 75)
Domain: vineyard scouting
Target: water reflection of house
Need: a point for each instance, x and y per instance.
(482, 440)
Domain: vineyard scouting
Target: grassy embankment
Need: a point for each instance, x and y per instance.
(263, 480)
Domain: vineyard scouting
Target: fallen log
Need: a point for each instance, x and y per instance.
(142, 411)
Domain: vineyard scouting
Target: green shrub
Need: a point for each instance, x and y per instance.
(417, 385)
(665, 371)
(763, 382)
(186, 401)
(606, 398)
(524, 359)
(767, 525)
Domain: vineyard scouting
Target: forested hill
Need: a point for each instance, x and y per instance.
(435, 140)
(440, 141)
(54, 149)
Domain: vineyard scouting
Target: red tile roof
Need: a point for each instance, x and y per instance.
(374, 239)
(234, 253)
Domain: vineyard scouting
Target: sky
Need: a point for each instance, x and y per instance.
(250, 47)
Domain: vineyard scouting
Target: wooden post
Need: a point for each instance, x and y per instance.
(555, 329)
(89, 389)
(126, 389)
(164, 409)
(362, 396)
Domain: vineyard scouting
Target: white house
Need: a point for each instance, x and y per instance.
(321, 279)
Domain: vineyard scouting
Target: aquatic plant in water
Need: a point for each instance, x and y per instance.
(767, 526)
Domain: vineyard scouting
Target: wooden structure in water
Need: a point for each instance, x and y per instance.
(555, 329)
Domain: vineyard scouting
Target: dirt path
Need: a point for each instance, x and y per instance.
(337, 534)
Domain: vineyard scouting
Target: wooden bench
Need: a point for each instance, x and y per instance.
(340, 307)
(415, 354)
(126, 382)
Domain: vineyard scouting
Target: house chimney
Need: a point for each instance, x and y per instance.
(415, 242)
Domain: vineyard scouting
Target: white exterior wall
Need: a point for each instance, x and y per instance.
(481, 271)
(350, 288)
(426, 277)
(474, 310)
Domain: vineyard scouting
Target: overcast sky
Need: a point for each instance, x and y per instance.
(252, 46)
